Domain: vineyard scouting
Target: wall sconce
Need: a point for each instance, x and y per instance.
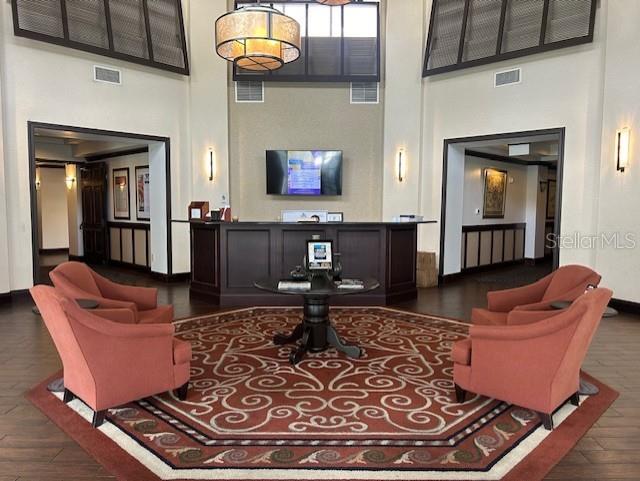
(402, 161)
(211, 167)
(70, 181)
(623, 141)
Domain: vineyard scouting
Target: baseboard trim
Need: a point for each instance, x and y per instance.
(7, 297)
(128, 265)
(628, 307)
(447, 278)
(61, 250)
(76, 258)
(181, 277)
(534, 261)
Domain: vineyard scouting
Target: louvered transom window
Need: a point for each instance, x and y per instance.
(148, 32)
(465, 33)
(339, 44)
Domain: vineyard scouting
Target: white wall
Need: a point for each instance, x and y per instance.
(563, 88)
(130, 162)
(619, 193)
(74, 211)
(403, 107)
(53, 208)
(453, 215)
(47, 83)
(5, 282)
(515, 202)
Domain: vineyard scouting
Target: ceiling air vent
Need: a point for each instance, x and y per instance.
(249, 91)
(508, 77)
(364, 92)
(107, 75)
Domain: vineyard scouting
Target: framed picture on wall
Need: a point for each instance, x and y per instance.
(143, 201)
(495, 193)
(121, 194)
(551, 199)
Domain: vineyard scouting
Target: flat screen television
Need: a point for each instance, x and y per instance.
(304, 172)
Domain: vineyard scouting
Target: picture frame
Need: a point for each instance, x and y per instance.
(335, 217)
(495, 193)
(198, 210)
(121, 194)
(551, 199)
(319, 255)
(143, 197)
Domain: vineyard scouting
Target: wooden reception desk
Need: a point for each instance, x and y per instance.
(226, 259)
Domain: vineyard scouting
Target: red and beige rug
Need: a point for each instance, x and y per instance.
(389, 415)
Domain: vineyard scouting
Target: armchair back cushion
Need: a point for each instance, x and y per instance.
(79, 275)
(570, 282)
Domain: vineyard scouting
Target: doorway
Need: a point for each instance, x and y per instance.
(116, 197)
(501, 204)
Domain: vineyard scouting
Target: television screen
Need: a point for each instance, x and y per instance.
(304, 172)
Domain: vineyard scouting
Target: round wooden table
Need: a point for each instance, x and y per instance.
(315, 331)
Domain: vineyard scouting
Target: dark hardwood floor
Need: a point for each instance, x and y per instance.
(32, 448)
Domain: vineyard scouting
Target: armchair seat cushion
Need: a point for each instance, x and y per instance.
(484, 317)
(461, 352)
(181, 352)
(159, 315)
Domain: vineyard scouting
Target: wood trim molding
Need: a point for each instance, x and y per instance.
(506, 159)
(111, 155)
(628, 307)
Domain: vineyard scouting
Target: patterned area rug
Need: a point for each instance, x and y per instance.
(389, 415)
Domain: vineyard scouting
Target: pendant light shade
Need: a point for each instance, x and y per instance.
(258, 38)
(333, 2)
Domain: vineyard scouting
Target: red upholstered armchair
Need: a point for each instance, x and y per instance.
(535, 365)
(107, 364)
(76, 280)
(565, 284)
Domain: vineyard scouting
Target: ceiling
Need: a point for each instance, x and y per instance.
(542, 148)
(545, 151)
(82, 145)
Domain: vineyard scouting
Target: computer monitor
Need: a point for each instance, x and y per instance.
(319, 255)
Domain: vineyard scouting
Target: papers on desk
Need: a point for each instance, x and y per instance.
(294, 285)
(350, 284)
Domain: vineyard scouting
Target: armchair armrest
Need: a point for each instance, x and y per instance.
(545, 327)
(126, 316)
(145, 298)
(508, 299)
(522, 316)
(71, 291)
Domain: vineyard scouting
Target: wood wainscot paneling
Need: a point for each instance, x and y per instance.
(227, 258)
(129, 244)
(488, 245)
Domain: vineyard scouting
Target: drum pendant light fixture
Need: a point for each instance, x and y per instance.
(258, 37)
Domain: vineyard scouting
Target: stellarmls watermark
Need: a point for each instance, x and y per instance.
(603, 240)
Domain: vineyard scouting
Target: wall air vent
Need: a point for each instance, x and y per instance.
(508, 77)
(107, 75)
(249, 91)
(365, 92)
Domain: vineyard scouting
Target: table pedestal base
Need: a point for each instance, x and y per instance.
(315, 332)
